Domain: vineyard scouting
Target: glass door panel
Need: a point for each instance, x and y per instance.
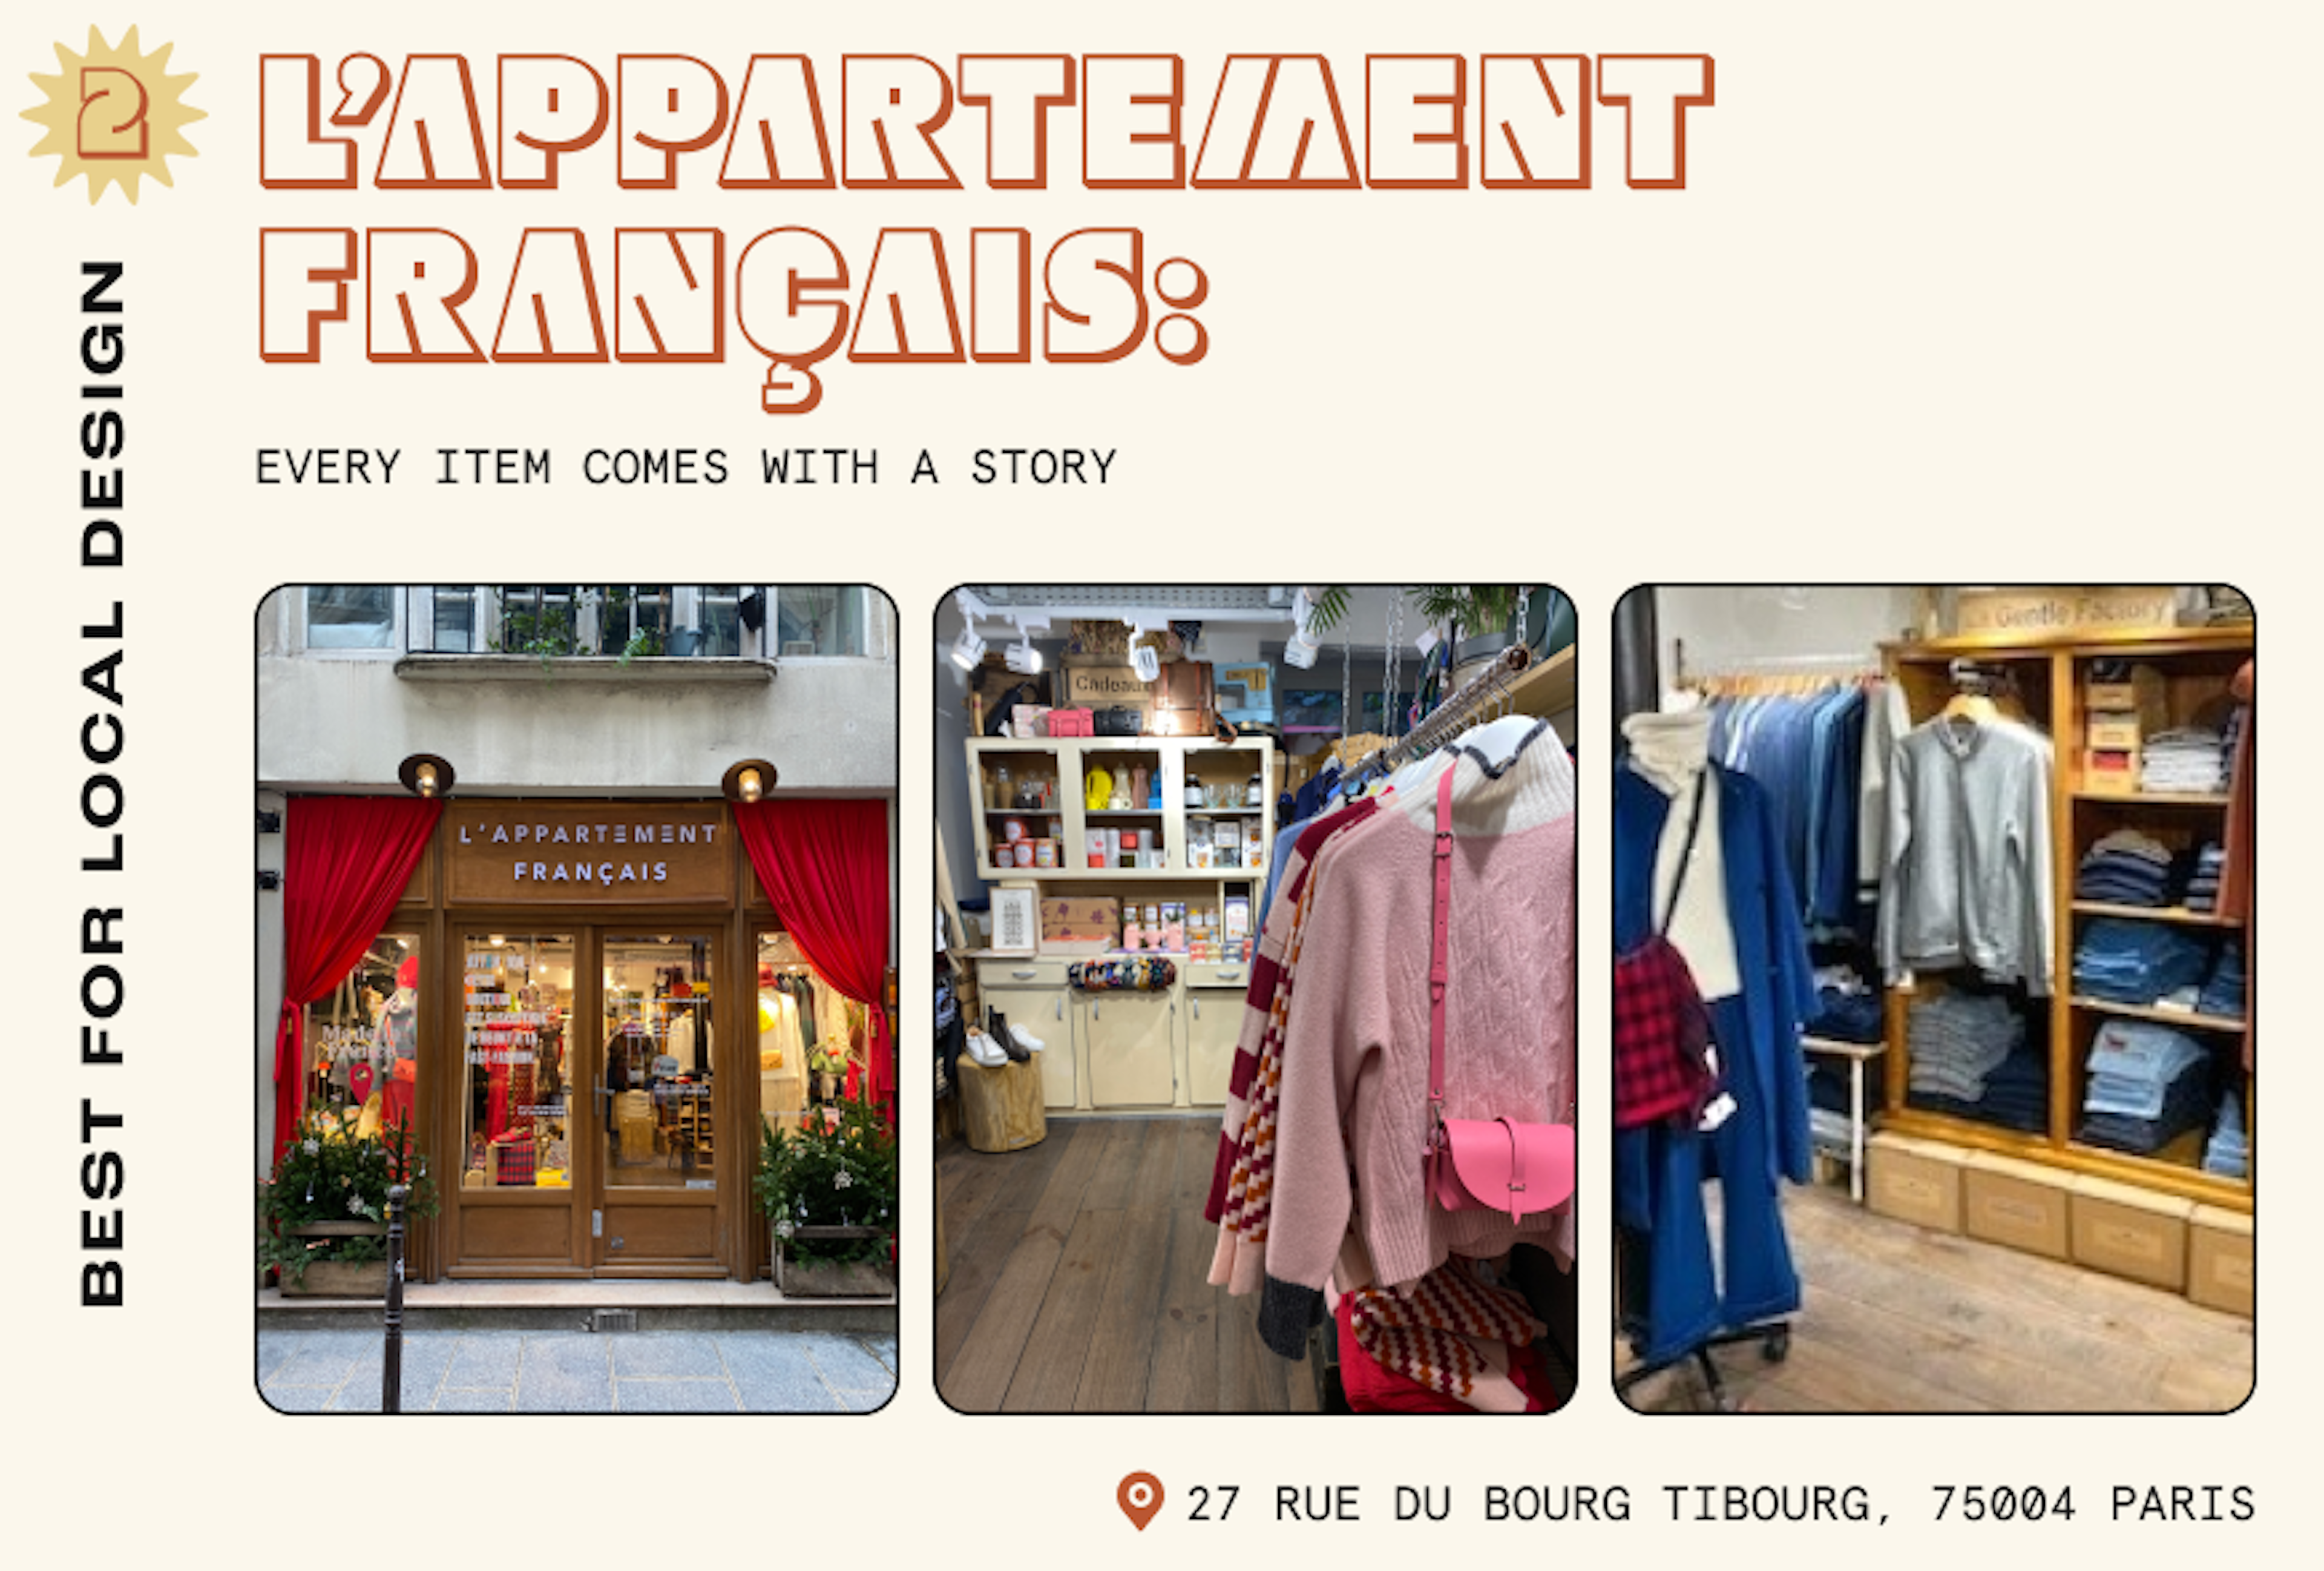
(516, 1023)
(656, 1081)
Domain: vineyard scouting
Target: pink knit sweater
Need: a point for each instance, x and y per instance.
(1354, 1117)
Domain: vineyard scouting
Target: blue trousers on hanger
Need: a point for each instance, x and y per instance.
(1659, 1173)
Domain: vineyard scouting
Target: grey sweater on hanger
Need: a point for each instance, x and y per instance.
(1967, 879)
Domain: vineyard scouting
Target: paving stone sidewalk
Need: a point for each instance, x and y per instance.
(576, 1372)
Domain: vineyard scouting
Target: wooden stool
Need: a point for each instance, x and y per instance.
(1003, 1109)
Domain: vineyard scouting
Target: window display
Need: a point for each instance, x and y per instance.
(811, 1035)
(363, 1040)
(517, 1008)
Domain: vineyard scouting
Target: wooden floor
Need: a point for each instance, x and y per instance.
(1899, 1319)
(1078, 1280)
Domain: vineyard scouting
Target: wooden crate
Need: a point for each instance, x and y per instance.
(1914, 1180)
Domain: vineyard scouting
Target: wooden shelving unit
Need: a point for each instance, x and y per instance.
(2197, 665)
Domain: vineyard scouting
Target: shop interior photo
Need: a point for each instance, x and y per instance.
(1165, 1182)
(1947, 1101)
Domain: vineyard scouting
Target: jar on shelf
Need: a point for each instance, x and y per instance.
(1252, 794)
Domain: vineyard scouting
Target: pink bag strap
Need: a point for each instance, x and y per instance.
(1440, 928)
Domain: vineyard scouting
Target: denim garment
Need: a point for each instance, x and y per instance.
(1659, 1173)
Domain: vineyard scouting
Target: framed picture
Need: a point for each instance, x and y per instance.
(1311, 709)
(1016, 921)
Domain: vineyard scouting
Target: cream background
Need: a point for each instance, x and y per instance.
(1984, 290)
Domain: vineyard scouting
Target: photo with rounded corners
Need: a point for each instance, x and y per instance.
(576, 1080)
(1934, 1031)
(1166, 1181)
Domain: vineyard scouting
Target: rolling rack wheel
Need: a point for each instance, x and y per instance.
(1775, 1340)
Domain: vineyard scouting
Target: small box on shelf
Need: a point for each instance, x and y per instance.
(2111, 772)
(2140, 698)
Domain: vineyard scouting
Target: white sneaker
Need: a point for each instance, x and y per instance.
(1026, 1040)
(985, 1050)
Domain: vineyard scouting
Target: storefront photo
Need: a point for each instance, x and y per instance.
(1168, 1180)
(1934, 1065)
(576, 922)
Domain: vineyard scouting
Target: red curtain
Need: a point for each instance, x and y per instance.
(347, 861)
(825, 866)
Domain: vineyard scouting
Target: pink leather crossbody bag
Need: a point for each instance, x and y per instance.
(1481, 1164)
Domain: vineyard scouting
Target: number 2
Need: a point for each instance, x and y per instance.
(112, 122)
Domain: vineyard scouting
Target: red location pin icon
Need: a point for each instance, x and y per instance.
(1140, 1495)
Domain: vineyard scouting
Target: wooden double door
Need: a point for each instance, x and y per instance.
(589, 1077)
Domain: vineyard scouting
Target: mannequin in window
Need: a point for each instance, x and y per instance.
(398, 1038)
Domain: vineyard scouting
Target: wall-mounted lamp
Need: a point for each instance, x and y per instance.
(748, 780)
(424, 774)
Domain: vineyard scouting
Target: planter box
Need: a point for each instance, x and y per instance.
(333, 1278)
(860, 1278)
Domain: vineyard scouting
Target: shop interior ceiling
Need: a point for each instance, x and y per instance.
(1365, 626)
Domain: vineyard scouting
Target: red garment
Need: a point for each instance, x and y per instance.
(345, 861)
(825, 866)
(1372, 1389)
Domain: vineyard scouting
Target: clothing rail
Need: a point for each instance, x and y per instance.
(1776, 684)
(1479, 692)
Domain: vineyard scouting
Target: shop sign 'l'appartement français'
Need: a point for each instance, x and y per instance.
(535, 853)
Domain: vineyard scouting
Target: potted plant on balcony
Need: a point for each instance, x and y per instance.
(829, 1190)
(323, 1219)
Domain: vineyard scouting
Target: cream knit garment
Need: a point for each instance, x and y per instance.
(1670, 752)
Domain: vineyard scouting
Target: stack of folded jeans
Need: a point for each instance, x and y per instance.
(2187, 758)
(1847, 1017)
(2223, 990)
(1956, 1040)
(2015, 1094)
(2203, 886)
(2127, 961)
(2228, 1154)
(2126, 868)
(2148, 1084)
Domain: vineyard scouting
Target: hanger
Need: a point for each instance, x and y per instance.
(1971, 709)
(1972, 702)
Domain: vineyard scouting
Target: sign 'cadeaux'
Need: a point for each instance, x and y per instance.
(773, 125)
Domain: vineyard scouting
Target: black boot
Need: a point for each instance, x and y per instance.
(998, 1029)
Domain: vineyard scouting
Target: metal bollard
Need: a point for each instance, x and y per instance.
(391, 1386)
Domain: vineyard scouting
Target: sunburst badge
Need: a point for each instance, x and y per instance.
(114, 115)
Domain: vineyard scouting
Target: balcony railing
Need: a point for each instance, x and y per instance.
(558, 621)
